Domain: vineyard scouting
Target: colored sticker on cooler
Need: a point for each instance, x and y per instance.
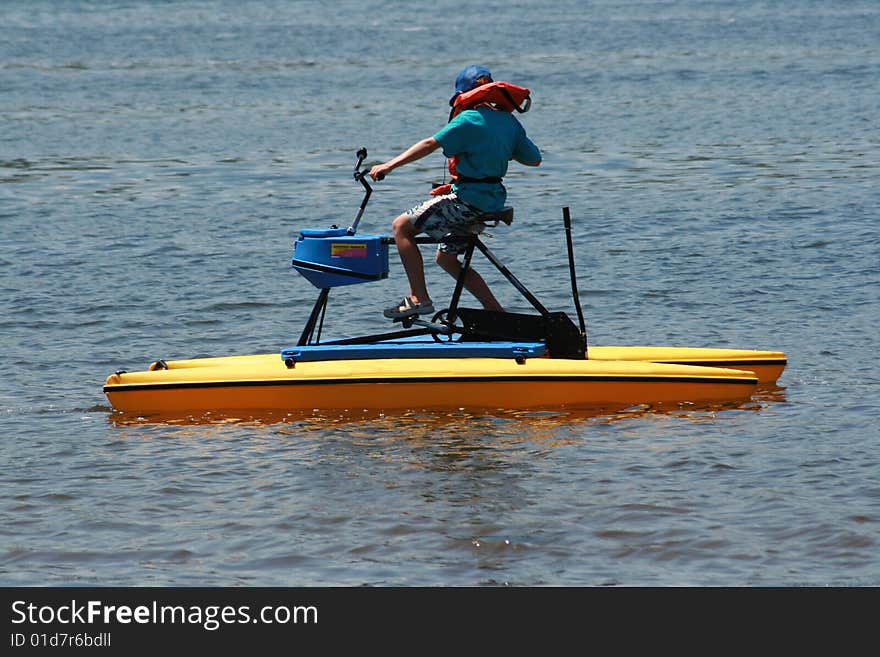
(348, 250)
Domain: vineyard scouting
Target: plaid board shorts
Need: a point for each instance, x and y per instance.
(441, 215)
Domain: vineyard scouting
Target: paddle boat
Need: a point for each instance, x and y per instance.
(461, 358)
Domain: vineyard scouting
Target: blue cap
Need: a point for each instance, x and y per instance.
(468, 77)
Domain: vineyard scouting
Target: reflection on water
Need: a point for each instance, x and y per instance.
(424, 423)
(769, 394)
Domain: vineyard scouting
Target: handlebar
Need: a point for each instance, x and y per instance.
(361, 177)
(361, 156)
(358, 174)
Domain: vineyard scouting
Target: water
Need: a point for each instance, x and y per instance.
(721, 164)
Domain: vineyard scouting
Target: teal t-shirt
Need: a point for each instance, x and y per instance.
(485, 140)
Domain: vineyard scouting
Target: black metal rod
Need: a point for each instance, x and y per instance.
(317, 338)
(566, 220)
(353, 228)
(382, 337)
(523, 290)
(361, 177)
(317, 311)
(459, 282)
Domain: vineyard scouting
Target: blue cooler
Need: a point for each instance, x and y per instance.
(330, 257)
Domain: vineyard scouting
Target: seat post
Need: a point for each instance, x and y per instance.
(459, 282)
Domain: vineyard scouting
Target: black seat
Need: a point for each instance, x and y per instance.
(504, 215)
(488, 219)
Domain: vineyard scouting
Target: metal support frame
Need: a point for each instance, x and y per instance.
(553, 327)
(447, 328)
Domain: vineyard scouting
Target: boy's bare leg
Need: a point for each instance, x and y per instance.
(411, 257)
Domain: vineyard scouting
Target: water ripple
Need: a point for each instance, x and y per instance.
(160, 163)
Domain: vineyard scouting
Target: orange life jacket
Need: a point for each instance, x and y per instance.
(499, 95)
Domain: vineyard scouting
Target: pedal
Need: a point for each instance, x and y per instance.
(413, 320)
(434, 328)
